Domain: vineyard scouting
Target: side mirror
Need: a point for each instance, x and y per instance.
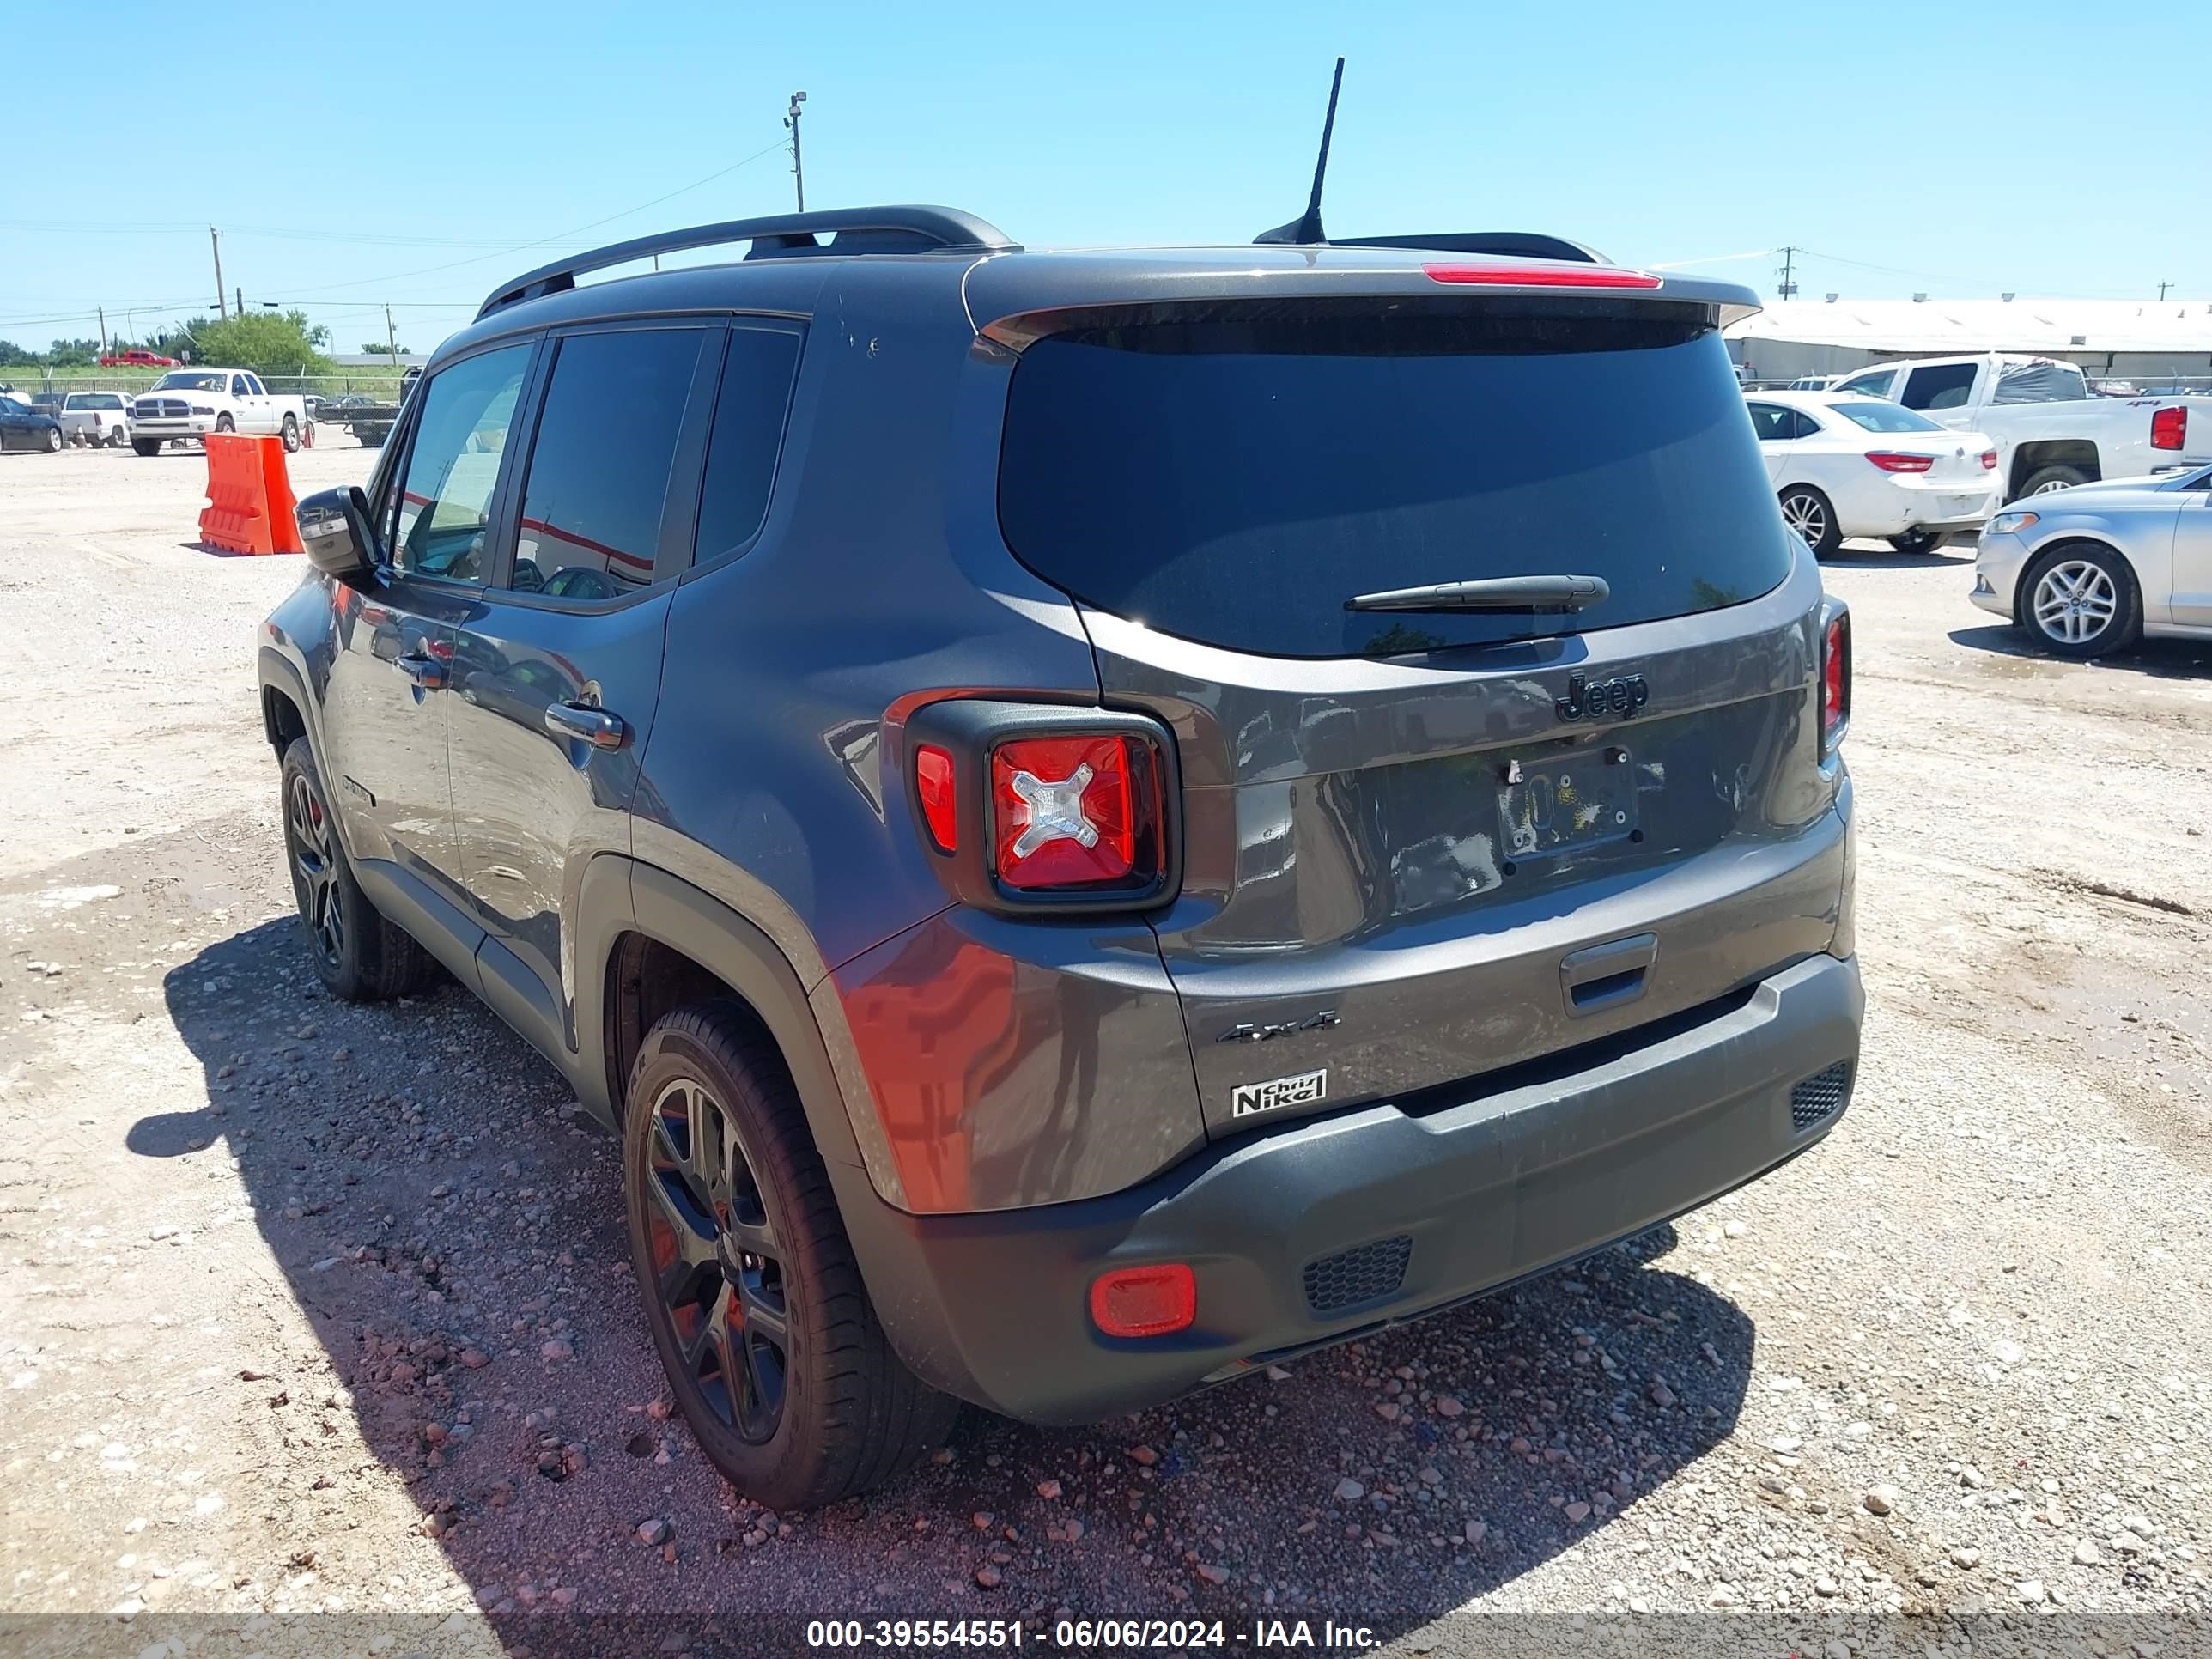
(334, 530)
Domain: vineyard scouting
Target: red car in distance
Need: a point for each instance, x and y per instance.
(137, 359)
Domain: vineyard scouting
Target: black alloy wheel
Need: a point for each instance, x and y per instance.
(313, 849)
(718, 1259)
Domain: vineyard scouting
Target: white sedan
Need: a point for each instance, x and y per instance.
(1847, 465)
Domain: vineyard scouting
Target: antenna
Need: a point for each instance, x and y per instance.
(1307, 228)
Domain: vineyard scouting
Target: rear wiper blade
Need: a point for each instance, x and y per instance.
(1536, 594)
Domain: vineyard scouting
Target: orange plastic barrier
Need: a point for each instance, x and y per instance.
(250, 506)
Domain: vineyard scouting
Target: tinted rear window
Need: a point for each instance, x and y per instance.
(1234, 477)
(1886, 417)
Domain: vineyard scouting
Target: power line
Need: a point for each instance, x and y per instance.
(455, 264)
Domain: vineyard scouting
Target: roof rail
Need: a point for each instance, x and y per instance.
(1512, 244)
(876, 229)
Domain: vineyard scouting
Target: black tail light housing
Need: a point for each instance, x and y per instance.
(1835, 683)
(1039, 807)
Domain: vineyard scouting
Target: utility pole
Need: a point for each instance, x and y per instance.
(102, 310)
(391, 338)
(798, 168)
(1788, 290)
(239, 308)
(214, 241)
(2163, 287)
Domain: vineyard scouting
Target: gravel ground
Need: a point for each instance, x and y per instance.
(305, 1307)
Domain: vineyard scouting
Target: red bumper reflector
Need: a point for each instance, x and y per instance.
(1144, 1301)
(1533, 276)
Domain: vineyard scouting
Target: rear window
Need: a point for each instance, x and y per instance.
(1885, 417)
(1234, 475)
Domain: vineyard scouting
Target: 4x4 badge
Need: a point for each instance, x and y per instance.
(1323, 1021)
(1622, 696)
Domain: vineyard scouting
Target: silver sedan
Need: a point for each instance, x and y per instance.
(2094, 569)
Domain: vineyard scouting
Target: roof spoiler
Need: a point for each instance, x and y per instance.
(856, 230)
(1509, 243)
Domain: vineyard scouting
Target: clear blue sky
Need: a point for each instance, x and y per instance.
(1955, 148)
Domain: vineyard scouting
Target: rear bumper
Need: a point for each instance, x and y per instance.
(1531, 1172)
(1936, 506)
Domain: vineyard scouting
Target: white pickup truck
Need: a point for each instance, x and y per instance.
(2050, 431)
(191, 402)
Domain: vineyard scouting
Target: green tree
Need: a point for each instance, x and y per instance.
(13, 356)
(381, 348)
(70, 354)
(266, 342)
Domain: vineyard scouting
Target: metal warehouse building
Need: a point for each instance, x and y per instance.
(2122, 339)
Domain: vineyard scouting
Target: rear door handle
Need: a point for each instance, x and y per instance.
(1607, 976)
(423, 672)
(585, 724)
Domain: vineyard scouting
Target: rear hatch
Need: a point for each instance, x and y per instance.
(1420, 847)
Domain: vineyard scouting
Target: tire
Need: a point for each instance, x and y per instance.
(146, 445)
(117, 437)
(359, 955)
(2080, 599)
(1916, 541)
(1810, 514)
(712, 1128)
(2044, 479)
(291, 436)
(224, 423)
(53, 440)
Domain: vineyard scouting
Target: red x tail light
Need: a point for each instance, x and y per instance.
(1835, 677)
(1029, 805)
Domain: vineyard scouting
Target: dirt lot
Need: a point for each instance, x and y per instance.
(306, 1307)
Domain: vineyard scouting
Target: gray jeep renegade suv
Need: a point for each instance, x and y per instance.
(1092, 819)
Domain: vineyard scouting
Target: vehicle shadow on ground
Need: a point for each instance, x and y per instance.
(455, 1236)
(2168, 660)
(1883, 557)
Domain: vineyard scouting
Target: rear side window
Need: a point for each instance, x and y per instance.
(1939, 385)
(2039, 383)
(748, 437)
(599, 467)
(1772, 423)
(1234, 477)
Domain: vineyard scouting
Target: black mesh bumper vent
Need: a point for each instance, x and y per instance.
(1361, 1274)
(1819, 1096)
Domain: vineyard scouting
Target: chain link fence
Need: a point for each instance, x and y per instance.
(378, 385)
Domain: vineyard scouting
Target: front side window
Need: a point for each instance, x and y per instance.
(1870, 385)
(444, 506)
(600, 466)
